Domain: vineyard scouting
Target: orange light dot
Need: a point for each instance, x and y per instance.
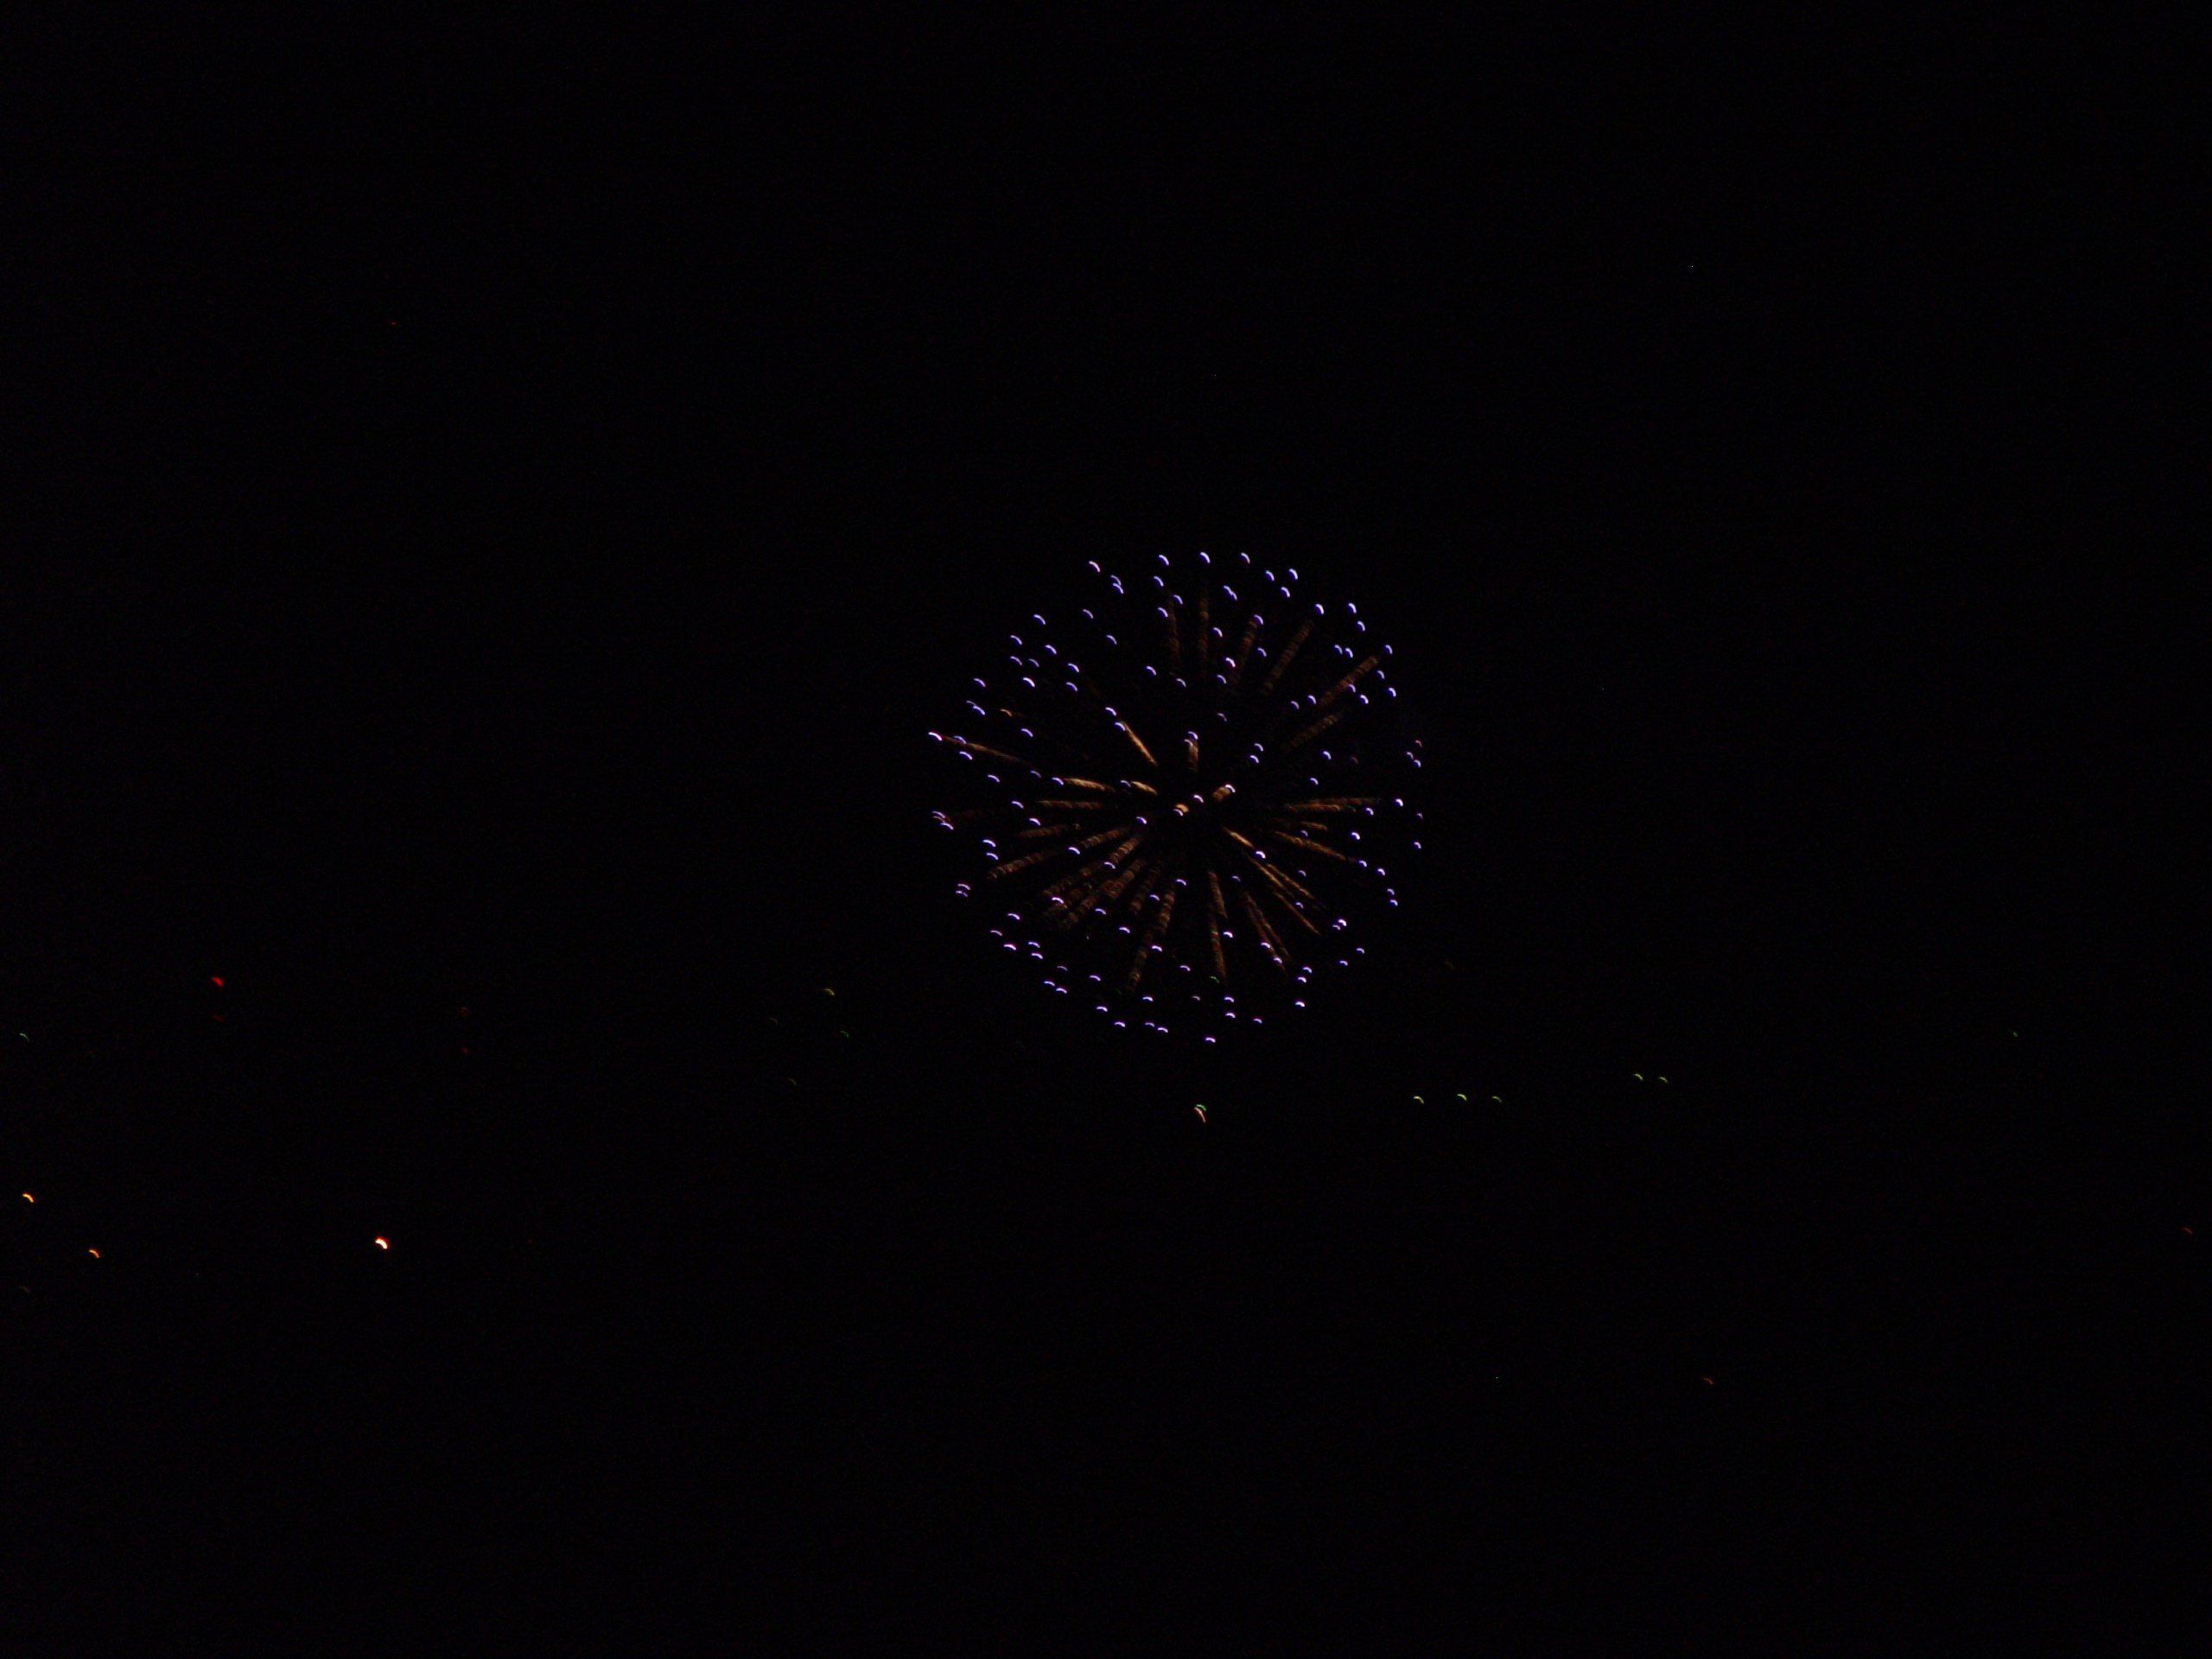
(1708, 1381)
(28, 1200)
(383, 1244)
(93, 1254)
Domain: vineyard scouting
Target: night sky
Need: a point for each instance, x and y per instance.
(513, 1143)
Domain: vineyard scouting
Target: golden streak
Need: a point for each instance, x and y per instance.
(1129, 734)
(1149, 943)
(1074, 806)
(1105, 835)
(1075, 879)
(1313, 731)
(1335, 804)
(1021, 863)
(1238, 839)
(1087, 782)
(1088, 870)
(1141, 787)
(1214, 918)
(1136, 967)
(1043, 830)
(1175, 637)
(1301, 841)
(1284, 882)
(1349, 681)
(1102, 892)
(1161, 916)
(1071, 914)
(1110, 890)
(1290, 892)
(1243, 650)
(1191, 749)
(1305, 630)
(1275, 940)
(1205, 614)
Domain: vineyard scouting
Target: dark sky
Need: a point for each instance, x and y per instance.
(492, 510)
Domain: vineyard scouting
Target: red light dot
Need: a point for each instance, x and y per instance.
(218, 978)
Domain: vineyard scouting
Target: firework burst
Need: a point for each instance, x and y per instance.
(1181, 806)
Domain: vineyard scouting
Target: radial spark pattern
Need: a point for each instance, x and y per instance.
(1181, 806)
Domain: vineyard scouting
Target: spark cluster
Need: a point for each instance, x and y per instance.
(1182, 803)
